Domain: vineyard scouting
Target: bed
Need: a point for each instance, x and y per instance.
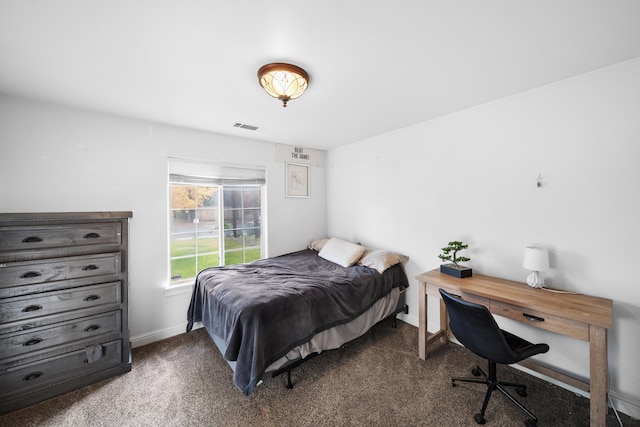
(269, 315)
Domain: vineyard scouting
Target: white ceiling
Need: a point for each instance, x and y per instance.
(375, 65)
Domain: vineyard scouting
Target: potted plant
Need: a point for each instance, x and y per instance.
(450, 253)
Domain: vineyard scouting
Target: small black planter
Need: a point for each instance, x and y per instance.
(456, 271)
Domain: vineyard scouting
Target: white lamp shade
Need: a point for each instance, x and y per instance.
(536, 259)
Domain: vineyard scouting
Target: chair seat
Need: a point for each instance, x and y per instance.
(523, 348)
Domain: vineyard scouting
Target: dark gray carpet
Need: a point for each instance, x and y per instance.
(376, 380)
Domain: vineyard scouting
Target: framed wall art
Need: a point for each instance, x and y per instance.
(297, 180)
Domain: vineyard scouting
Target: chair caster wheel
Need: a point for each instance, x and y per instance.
(476, 372)
(479, 419)
(453, 384)
(531, 423)
(522, 391)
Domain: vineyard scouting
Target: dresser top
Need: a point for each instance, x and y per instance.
(31, 217)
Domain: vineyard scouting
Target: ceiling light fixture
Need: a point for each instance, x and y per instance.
(283, 81)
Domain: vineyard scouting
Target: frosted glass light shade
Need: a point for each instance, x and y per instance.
(283, 81)
(536, 260)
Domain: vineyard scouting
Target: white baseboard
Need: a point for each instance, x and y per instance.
(160, 334)
(625, 404)
(410, 318)
(617, 401)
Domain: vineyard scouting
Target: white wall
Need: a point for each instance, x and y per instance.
(59, 159)
(471, 176)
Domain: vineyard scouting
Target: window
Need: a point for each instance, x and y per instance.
(215, 217)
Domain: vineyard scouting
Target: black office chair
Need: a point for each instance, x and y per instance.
(475, 328)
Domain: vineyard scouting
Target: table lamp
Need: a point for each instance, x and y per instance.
(536, 260)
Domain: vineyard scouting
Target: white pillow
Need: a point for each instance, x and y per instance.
(381, 260)
(341, 252)
(317, 245)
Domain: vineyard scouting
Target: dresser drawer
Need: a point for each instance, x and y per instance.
(56, 370)
(19, 308)
(59, 334)
(541, 320)
(47, 237)
(57, 269)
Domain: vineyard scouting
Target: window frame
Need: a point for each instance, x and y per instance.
(233, 178)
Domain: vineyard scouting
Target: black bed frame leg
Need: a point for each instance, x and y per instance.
(405, 310)
(289, 383)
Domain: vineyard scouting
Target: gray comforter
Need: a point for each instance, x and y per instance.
(263, 309)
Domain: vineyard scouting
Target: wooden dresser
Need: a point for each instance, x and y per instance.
(64, 319)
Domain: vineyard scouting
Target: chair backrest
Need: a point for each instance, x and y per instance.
(475, 328)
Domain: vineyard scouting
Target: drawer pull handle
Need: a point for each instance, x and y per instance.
(90, 267)
(533, 318)
(30, 274)
(32, 376)
(92, 298)
(91, 236)
(32, 239)
(34, 307)
(92, 328)
(33, 341)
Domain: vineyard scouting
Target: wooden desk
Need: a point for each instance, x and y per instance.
(580, 316)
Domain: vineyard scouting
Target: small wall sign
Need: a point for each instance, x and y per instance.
(300, 155)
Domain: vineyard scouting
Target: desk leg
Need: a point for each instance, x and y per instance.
(422, 326)
(598, 375)
(444, 323)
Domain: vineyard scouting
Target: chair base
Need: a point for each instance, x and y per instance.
(493, 383)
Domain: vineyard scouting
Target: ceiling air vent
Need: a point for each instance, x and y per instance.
(243, 126)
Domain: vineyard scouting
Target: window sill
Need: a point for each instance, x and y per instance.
(178, 288)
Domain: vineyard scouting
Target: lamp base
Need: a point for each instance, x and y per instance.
(535, 280)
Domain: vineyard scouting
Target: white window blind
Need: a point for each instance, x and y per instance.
(199, 172)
